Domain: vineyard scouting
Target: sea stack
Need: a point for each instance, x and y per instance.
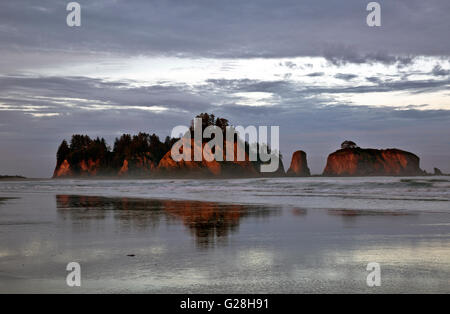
(352, 160)
(299, 165)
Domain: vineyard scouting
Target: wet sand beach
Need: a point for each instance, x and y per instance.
(126, 243)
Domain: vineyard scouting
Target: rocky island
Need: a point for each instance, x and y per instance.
(145, 156)
(352, 160)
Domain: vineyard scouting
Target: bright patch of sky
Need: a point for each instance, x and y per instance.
(301, 71)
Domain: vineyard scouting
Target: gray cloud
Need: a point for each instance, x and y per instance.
(439, 71)
(373, 79)
(341, 55)
(315, 74)
(345, 76)
(71, 93)
(288, 88)
(263, 28)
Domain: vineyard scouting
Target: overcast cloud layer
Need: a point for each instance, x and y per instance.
(312, 67)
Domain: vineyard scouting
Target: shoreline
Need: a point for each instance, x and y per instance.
(107, 178)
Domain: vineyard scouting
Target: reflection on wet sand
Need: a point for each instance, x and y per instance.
(356, 213)
(299, 211)
(350, 217)
(4, 199)
(207, 221)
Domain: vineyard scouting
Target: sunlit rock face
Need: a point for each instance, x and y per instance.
(63, 170)
(84, 168)
(90, 167)
(208, 166)
(138, 166)
(299, 165)
(372, 162)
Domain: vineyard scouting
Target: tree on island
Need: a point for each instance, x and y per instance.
(349, 144)
(62, 153)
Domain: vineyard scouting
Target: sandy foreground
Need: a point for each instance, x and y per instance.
(129, 244)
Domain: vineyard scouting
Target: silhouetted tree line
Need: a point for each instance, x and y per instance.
(143, 144)
(210, 120)
(83, 148)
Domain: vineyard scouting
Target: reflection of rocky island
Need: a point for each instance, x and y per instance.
(207, 221)
(351, 160)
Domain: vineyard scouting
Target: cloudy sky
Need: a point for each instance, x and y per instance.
(313, 67)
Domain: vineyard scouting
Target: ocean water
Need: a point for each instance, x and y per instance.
(371, 193)
(273, 235)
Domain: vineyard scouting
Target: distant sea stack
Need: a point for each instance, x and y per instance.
(352, 160)
(299, 165)
(11, 177)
